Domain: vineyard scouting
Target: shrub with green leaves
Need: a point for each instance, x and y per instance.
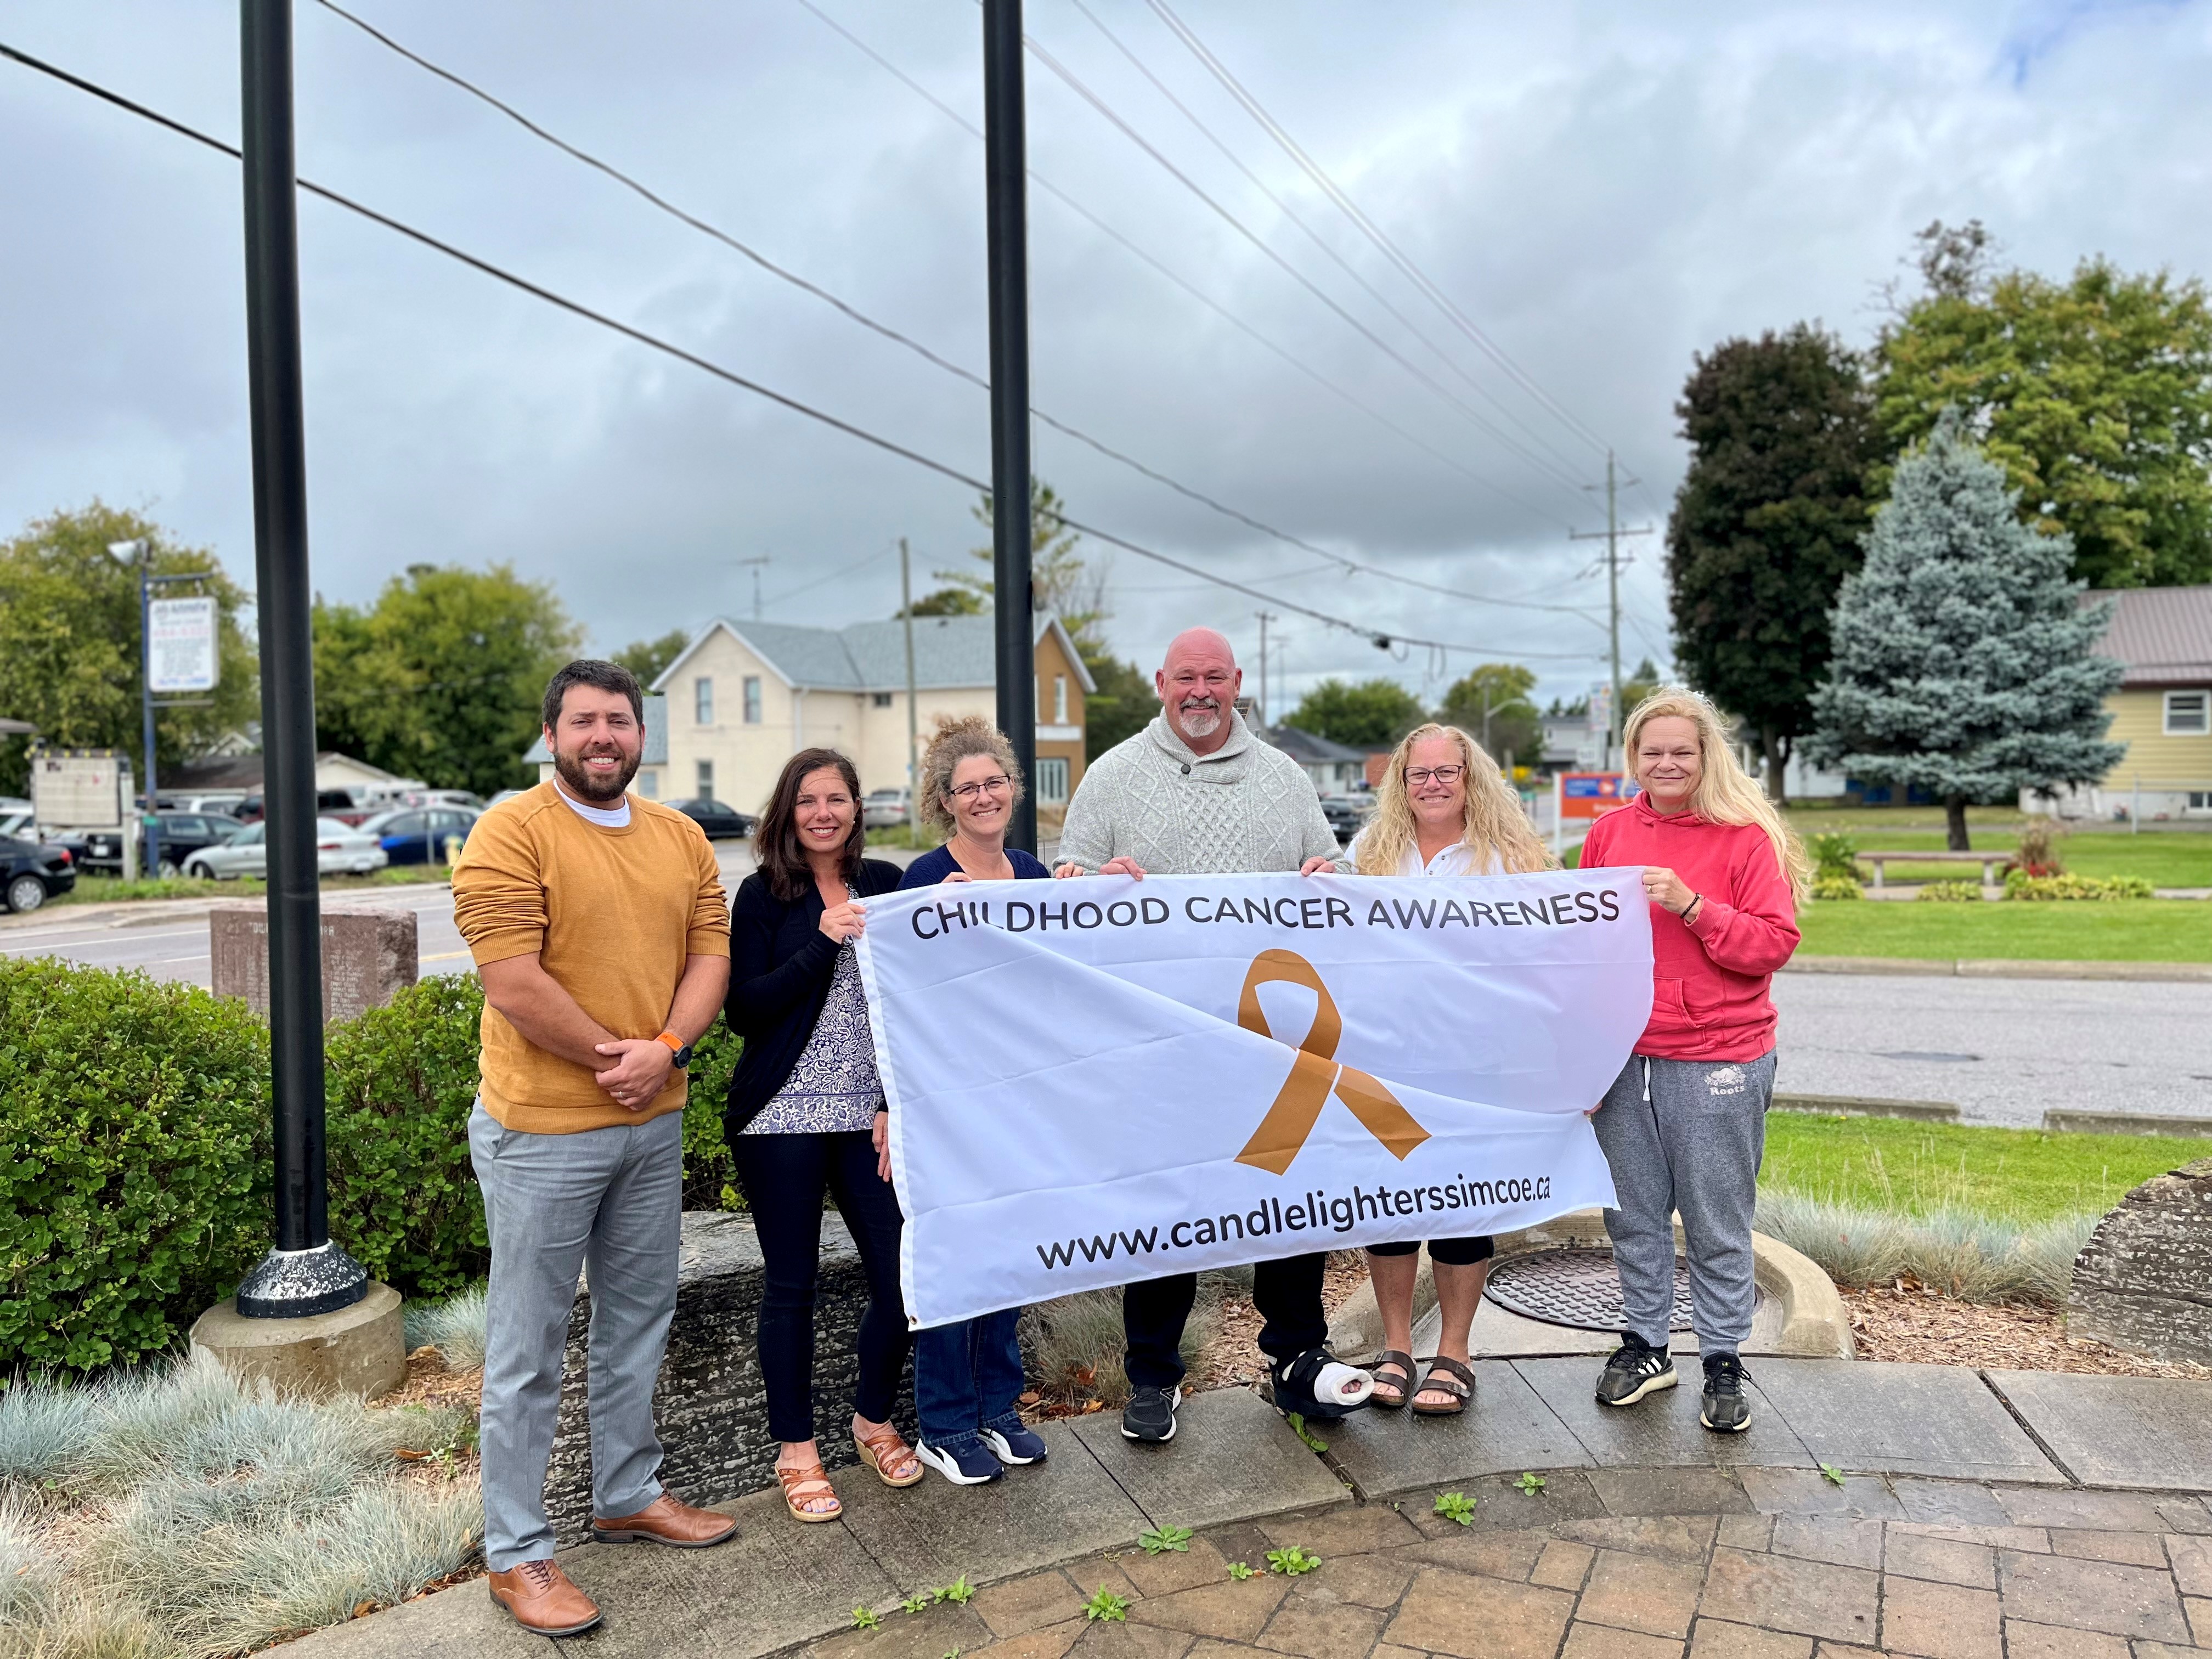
(1836, 855)
(2019, 884)
(134, 1161)
(1952, 892)
(1836, 887)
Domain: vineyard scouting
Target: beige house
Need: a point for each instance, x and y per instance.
(2162, 638)
(744, 697)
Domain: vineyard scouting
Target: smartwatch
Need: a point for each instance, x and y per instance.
(677, 1047)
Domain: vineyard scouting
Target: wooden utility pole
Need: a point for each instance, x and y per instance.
(1611, 533)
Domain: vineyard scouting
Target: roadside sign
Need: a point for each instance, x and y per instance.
(1593, 794)
(79, 788)
(180, 645)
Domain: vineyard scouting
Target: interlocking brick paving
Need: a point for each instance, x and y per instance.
(1983, 1571)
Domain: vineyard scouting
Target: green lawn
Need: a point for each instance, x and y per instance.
(2128, 930)
(2020, 1175)
(2177, 860)
(106, 889)
(2000, 823)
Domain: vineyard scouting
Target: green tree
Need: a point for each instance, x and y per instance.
(649, 659)
(1766, 524)
(442, 678)
(1491, 705)
(1371, 715)
(1964, 662)
(2093, 394)
(71, 662)
(1123, 706)
(1062, 580)
(946, 602)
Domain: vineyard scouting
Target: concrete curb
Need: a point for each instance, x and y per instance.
(2002, 967)
(1923, 1111)
(2065, 1121)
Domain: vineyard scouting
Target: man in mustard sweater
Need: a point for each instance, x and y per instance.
(598, 926)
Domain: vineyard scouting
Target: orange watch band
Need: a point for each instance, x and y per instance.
(676, 1044)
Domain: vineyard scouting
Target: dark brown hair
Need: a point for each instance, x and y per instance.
(590, 670)
(775, 842)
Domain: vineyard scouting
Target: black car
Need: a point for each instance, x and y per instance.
(31, 874)
(182, 835)
(1344, 815)
(720, 822)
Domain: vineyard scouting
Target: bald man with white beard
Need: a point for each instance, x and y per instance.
(1196, 793)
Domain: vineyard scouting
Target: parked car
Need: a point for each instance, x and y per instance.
(17, 825)
(720, 822)
(340, 850)
(31, 874)
(420, 835)
(329, 803)
(180, 835)
(885, 809)
(1344, 815)
(224, 802)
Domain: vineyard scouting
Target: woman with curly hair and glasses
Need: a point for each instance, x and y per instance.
(968, 1374)
(1442, 808)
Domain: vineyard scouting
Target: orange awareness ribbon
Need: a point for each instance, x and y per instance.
(1314, 1073)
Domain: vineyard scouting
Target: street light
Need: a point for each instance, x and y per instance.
(140, 552)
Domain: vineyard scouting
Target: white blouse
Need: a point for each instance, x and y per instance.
(1457, 860)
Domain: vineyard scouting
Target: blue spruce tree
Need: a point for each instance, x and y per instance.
(1964, 662)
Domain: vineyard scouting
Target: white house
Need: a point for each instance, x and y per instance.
(743, 697)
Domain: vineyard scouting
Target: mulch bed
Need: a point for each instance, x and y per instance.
(1232, 1359)
(1910, 1322)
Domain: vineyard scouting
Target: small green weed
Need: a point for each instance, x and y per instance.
(1298, 1427)
(959, 1592)
(1105, 1605)
(918, 1600)
(1832, 1474)
(1531, 1486)
(1456, 1506)
(865, 1619)
(1240, 1570)
(1160, 1540)
(1291, 1561)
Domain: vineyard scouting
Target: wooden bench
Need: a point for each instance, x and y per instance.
(1989, 861)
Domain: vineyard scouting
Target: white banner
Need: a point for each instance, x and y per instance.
(180, 654)
(1103, 1080)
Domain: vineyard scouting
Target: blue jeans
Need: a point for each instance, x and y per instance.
(967, 1376)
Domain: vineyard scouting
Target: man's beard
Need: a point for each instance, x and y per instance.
(598, 791)
(1199, 722)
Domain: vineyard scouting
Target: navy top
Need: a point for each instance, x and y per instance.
(931, 868)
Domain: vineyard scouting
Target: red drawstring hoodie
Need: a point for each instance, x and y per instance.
(1708, 1000)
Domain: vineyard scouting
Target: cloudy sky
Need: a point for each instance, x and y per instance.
(1598, 190)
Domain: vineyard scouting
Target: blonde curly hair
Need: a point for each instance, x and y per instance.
(957, 738)
(1726, 793)
(1493, 818)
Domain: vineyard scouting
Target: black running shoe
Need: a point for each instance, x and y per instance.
(1318, 1386)
(1725, 1408)
(1636, 1368)
(1151, 1413)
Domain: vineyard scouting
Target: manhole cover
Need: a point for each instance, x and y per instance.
(1924, 1053)
(1576, 1287)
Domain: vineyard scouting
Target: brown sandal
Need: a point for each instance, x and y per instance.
(1445, 1376)
(807, 1484)
(884, 1451)
(1402, 1384)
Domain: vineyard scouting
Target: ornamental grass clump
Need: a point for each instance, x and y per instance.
(181, 1511)
(455, 1327)
(1974, 1258)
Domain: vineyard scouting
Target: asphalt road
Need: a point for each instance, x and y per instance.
(2004, 1049)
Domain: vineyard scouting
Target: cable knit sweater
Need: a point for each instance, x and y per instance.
(1245, 809)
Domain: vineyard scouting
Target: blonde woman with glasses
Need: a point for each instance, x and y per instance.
(1443, 809)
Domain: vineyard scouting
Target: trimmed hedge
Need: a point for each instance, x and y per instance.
(135, 1153)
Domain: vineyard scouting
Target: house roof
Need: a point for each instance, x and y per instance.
(656, 738)
(949, 652)
(2159, 635)
(1310, 750)
(246, 771)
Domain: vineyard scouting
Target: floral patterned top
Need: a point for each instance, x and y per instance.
(833, 1088)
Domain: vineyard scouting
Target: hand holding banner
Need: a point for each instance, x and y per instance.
(1106, 1080)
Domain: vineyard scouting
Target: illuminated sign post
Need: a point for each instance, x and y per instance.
(1589, 796)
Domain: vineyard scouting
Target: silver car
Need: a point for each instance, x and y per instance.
(340, 850)
(884, 809)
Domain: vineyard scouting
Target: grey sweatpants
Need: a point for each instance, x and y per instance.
(612, 1198)
(1686, 1136)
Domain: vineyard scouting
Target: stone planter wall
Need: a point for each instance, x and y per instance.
(2143, 1282)
(711, 1405)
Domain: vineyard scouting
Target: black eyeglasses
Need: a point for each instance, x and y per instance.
(1417, 775)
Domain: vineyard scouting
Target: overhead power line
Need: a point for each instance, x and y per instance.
(1379, 636)
(1367, 227)
(630, 182)
(1164, 270)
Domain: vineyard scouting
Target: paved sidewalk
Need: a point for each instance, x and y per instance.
(1965, 1526)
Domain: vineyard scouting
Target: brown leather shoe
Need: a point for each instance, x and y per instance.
(665, 1521)
(543, 1599)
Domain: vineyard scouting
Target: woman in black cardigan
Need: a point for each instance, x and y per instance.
(807, 1114)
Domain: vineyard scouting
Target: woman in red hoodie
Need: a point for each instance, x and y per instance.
(1684, 1125)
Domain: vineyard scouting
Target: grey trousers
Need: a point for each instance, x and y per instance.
(1686, 1136)
(612, 1198)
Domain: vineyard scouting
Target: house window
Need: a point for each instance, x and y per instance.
(752, 700)
(648, 784)
(882, 699)
(1059, 699)
(706, 780)
(2188, 713)
(702, 700)
(1051, 780)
